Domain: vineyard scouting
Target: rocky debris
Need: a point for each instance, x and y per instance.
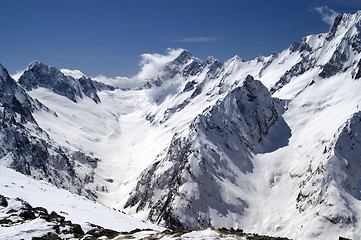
(99, 231)
(3, 201)
(20, 212)
(221, 234)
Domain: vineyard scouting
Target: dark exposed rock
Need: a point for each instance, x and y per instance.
(305, 46)
(298, 69)
(198, 90)
(334, 27)
(336, 63)
(27, 214)
(194, 68)
(3, 201)
(294, 47)
(101, 232)
(214, 66)
(77, 230)
(189, 86)
(48, 236)
(358, 74)
(29, 147)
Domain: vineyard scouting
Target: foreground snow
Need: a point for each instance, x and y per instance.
(32, 209)
(73, 207)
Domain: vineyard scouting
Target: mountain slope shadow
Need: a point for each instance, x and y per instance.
(278, 137)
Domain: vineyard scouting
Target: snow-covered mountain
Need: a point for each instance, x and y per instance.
(269, 145)
(208, 161)
(27, 148)
(41, 75)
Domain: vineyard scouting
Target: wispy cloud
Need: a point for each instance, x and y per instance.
(199, 39)
(151, 64)
(327, 14)
(120, 82)
(73, 73)
(18, 74)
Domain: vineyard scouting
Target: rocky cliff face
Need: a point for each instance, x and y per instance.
(26, 148)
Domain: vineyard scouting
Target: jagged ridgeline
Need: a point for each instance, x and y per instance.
(269, 145)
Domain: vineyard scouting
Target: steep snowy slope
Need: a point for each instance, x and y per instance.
(205, 144)
(27, 148)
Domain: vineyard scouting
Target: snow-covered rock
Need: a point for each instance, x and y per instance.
(40, 75)
(27, 148)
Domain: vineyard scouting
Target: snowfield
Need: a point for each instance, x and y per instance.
(73, 207)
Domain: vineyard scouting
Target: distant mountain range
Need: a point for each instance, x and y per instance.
(271, 145)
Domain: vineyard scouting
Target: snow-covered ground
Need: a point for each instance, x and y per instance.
(16, 222)
(73, 207)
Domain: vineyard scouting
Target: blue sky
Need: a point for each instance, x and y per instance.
(107, 37)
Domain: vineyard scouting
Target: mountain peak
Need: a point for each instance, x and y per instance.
(3, 72)
(343, 23)
(39, 74)
(236, 58)
(211, 60)
(37, 63)
(183, 57)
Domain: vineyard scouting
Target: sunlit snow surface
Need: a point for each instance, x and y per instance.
(73, 207)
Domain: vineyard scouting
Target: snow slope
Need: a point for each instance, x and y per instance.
(73, 207)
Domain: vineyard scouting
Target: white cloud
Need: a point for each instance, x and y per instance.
(152, 63)
(17, 75)
(120, 82)
(198, 39)
(72, 73)
(327, 15)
